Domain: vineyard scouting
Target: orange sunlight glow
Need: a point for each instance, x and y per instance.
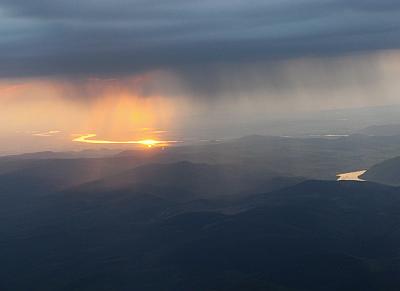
(114, 109)
(88, 138)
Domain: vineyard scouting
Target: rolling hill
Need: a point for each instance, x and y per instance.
(317, 235)
(386, 172)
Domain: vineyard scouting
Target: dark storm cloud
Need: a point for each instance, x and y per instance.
(99, 37)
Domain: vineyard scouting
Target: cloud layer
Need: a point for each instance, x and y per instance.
(104, 37)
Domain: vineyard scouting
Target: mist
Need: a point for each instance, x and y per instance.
(199, 102)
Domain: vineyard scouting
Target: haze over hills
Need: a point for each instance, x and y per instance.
(88, 153)
(187, 181)
(256, 156)
(307, 157)
(382, 130)
(320, 157)
(65, 173)
(386, 172)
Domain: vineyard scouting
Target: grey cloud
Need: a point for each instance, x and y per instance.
(104, 37)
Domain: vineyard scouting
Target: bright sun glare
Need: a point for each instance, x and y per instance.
(89, 138)
(149, 142)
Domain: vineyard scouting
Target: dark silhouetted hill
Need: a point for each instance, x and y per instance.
(386, 172)
(313, 236)
(317, 235)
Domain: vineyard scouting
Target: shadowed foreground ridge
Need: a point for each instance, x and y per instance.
(317, 235)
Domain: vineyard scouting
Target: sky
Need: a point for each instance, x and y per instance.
(131, 70)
